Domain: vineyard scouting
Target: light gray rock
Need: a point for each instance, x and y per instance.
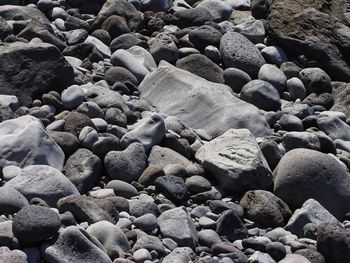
(180, 255)
(238, 52)
(254, 30)
(24, 141)
(162, 156)
(150, 132)
(296, 88)
(294, 258)
(236, 161)
(74, 245)
(177, 224)
(239, 4)
(311, 212)
(274, 55)
(72, 97)
(100, 46)
(273, 75)
(11, 201)
(122, 188)
(219, 10)
(7, 238)
(260, 257)
(111, 237)
(163, 47)
(44, 182)
(200, 104)
(334, 127)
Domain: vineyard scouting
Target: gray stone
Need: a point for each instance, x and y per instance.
(297, 139)
(7, 238)
(11, 201)
(219, 10)
(44, 182)
(74, 245)
(100, 46)
(296, 88)
(334, 127)
(22, 143)
(316, 80)
(294, 258)
(141, 255)
(254, 30)
(208, 237)
(146, 222)
(122, 188)
(88, 136)
(274, 55)
(236, 161)
(273, 75)
(163, 47)
(126, 165)
(238, 52)
(231, 226)
(180, 255)
(156, 5)
(236, 79)
(204, 105)
(150, 243)
(72, 97)
(177, 224)
(260, 257)
(162, 156)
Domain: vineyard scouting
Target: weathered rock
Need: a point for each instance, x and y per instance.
(162, 156)
(11, 201)
(236, 161)
(231, 226)
(203, 104)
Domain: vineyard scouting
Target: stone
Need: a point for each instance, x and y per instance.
(177, 224)
(115, 26)
(67, 141)
(197, 184)
(294, 258)
(156, 5)
(324, 100)
(111, 237)
(11, 10)
(299, 139)
(231, 226)
(340, 92)
(119, 74)
(334, 127)
(191, 17)
(276, 250)
(296, 88)
(312, 212)
(214, 101)
(208, 238)
(150, 243)
(312, 255)
(329, 179)
(75, 122)
(201, 66)
(74, 245)
(126, 41)
(139, 208)
(274, 76)
(122, 188)
(254, 30)
(25, 80)
(88, 136)
(126, 165)
(236, 79)
(172, 187)
(274, 54)
(162, 156)
(146, 222)
(141, 255)
(261, 94)
(316, 80)
(238, 52)
(272, 153)
(83, 169)
(219, 10)
(204, 36)
(323, 39)
(120, 8)
(44, 182)
(35, 223)
(11, 200)
(181, 255)
(265, 208)
(7, 238)
(260, 257)
(163, 47)
(88, 209)
(150, 132)
(236, 161)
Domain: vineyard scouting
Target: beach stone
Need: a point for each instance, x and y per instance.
(75, 123)
(294, 258)
(180, 255)
(208, 238)
(162, 156)
(83, 169)
(119, 74)
(74, 245)
(121, 8)
(219, 10)
(231, 226)
(261, 94)
(67, 141)
(115, 25)
(35, 223)
(150, 243)
(312, 212)
(156, 5)
(44, 182)
(25, 134)
(177, 224)
(316, 80)
(276, 250)
(7, 238)
(204, 36)
(340, 91)
(172, 187)
(197, 184)
(126, 41)
(150, 132)
(299, 139)
(139, 208)
(238, 52)
(24, 80)
(334, 127)
(111, 237)
(11, 200)
(260, 257)
(163, 47)
(147, 222)
(322, 170)
(88, 136)
(236, 79)
(274, 76)
(290, 122)
(88, 209)
(72, 97)
(312, 255)
(223, 158)
(191, 17)
(126, 165)
(159, 87)
(296, 88)
(201, 66)
(122, 188)
(254, 30)
(274, 54)
(265, 208)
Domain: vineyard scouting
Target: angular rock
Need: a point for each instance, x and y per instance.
(231, 226)
(236, 161)
(172, 187)
(44, 182)
(203, 104)
(162, 156)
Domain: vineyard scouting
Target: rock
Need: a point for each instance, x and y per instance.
(260, 8)
(312, 212)
(323, 39)
(329, 179)
(163, 47)
(150, 132)
(340, 93)
(208, 238)
(126, 165)
(120, 8)
(272, 153)
(219, 10)
(260, 257)
(172, 187)
(231, 226)
(74, 245)
(11, 201)
(25, 80)
(75, 122)
(262, 95)
(141, 255)
(191, 17)
(115, 26)
(181, 255)
(177, 224)
(35, 223)
(150, 243)
(214, 101)
(324, 100)
(9, 11)
(119, 74)
(293, 140)
(111, 237)
(162, 156)
(201, 66)
(334, 127)
(316, 80)
(156, 5)
(146, 222)
(136, 59)
(88, 136)
(7, 238)
(294, 258)
(44, 182)
(127, 41)
(273, 54)
(276, 250)
(296, 88)
(100, 46)
(273, 75)
(88, 209)
(122, 188)
(236, 79)
(265, 208)
(238, 52)
(67, 141)
(254, 30)
(15, 256)
(205, 35)
(83, 169)
(139, 208)
(236, 161)
(312, 255)
(197, 184)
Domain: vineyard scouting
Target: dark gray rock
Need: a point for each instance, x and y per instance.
(274, 76)
(122, 188)
(236, 79)
(316, 80)
(231, 226)
(172, 187)
(334, 127)
(11, 201)
(67, 141)
(312, 255)
(163, 47)
(191, 17)
(139, 208)
(272, 153)
(75, 122)
(293, 140)
(204, 36)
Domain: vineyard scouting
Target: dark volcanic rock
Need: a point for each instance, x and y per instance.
(318, 28)
(29, 70)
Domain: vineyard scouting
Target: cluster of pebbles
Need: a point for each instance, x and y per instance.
(169, 131)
